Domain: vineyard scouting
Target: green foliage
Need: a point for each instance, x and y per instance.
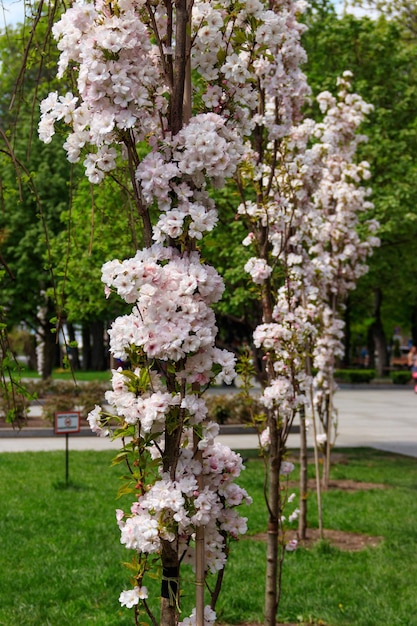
(55, 233)
(14, 396)
(34, 181)
(401, 377)
(403, 11)
(354, 376)
(238, 311)
(98, 227)
(384, 69)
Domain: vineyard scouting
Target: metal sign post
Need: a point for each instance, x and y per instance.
(65, 424)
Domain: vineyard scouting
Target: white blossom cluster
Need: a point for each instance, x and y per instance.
(168, 509)
(172, 321)
(338, 252)
(171, 508)
(284, 341)
(175, 178)
(172, 318)
(121, 56)
(254, 39)
(119, 81)
(209, 618)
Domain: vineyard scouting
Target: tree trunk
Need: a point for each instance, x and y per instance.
(347, 335)
(98, 350)
(170, 584)
(273, 564)
(85, 332)
(49, 351)
(302, 520)
(169, 556)
(371, 348)
(379, 334)
(328, 421)
(413, 321)
(73, 352)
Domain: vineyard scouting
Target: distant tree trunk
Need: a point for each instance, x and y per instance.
(413, 321)
(274, 549)
(348, 335)
(85, 332)
(30, 351)
(49, 352)
(73, 352)
(328, 424)
(371, 348)
(98, 350)
(379, 334)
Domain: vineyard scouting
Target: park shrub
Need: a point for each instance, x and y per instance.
(62, 395)
(400, 377)
(231, 408)
(354, 376)
(14, 410)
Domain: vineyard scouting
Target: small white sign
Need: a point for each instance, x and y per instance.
(67, 423)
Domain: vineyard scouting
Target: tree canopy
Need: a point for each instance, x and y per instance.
(384, 66)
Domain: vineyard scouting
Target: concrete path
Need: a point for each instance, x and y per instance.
(378, 418)
(385, 419)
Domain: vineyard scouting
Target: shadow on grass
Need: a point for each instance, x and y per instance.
(61, 485)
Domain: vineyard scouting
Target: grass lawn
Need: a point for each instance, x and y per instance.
(60, 556)
(65, 374)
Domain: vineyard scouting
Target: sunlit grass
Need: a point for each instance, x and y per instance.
(61, 558)
(66, 374)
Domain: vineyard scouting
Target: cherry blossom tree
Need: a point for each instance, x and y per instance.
(341, 239)
(132, 62)
(309, 254)
(186, 96)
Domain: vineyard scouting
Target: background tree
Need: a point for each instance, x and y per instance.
(56, 233)
(98, 226)
(34, 186)
(403, 12)
(384, 73)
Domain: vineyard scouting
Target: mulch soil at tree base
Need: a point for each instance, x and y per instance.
(341, 484)
(350, 542)
(279, 624)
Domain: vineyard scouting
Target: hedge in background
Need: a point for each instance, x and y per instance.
(400, 377)
(354, 376)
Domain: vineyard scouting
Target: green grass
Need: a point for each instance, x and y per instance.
(64, 374)
(60, 555)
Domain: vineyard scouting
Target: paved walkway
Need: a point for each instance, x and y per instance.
(380, 418)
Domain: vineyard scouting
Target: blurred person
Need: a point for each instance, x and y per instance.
(412, 363)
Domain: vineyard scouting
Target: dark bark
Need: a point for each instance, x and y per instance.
(378, 334)
(50, 351)
(347, 335)
(413, 322)
(302, 520)
(99, 361)
(170, 584)
(371, 348)
(86, 347)
(176, 111)
(272, 586)
(73, 352)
